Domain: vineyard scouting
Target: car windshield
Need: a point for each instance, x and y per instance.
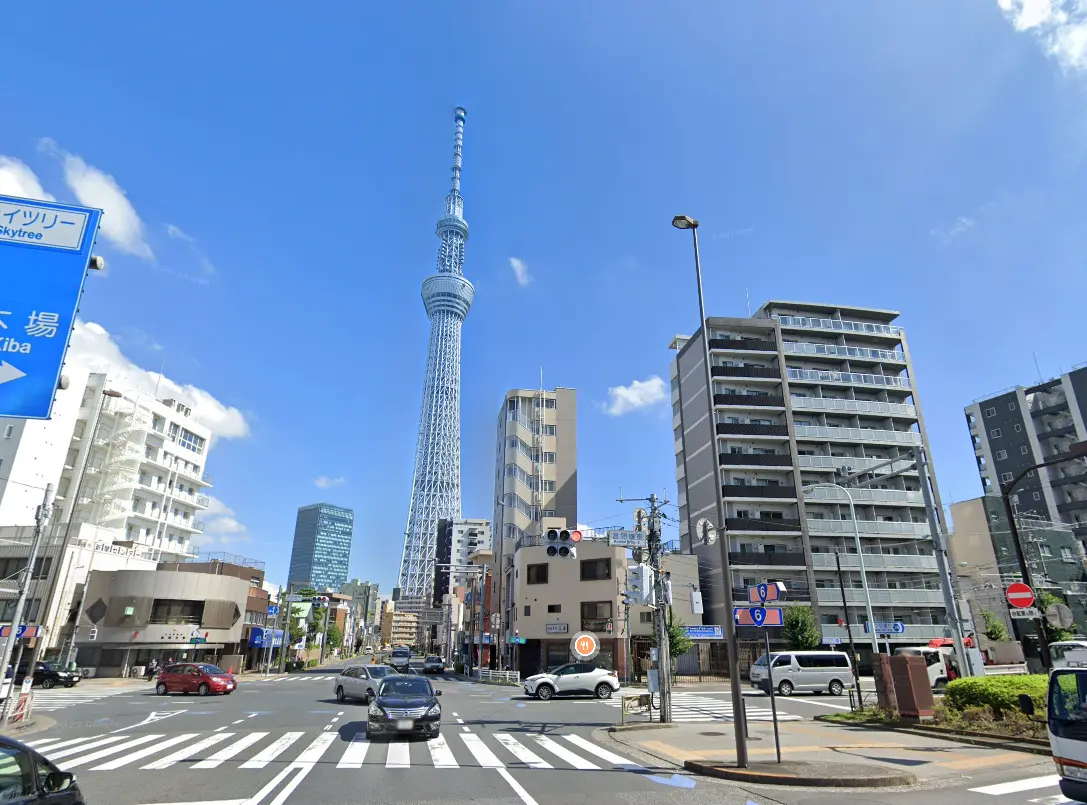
(211, 669)
(761, 661)
(402, 652)
(405, 686)
(433, 659)
(378, 671)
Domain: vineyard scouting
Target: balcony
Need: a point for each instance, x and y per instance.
(880, 597)
(1080, 478)
(748, 400)
(854, 406)
(747, 429)
(761, 524)
(835, 463)
(832, 495)
(918, 633)
(203, 501)
(1065, 430)
(875, 561)
(1043, 407)
(772, 559)
(755, 460)
(207, 478)
(836, 351)
(1072, 506)
(744, 344)
(750, 491)
(848, 378)
(867, 435)
(867, 528)
(759, 372)
(839, 325)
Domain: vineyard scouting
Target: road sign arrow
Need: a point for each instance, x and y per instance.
(9, 372)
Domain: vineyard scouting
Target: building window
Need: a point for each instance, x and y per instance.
(547, 486)
(1037, 495)
(1011, 406)
(8, 431)
(1005, 477)
(990, 412)
(1024, 449)
(995, 433)
(1018, 428)
(548, 458)
(554, 609)
(537, 574)
(528, 611)
(647, 617)
(549, 403)
(548, 430)
(595, 615)
(177, 612)
(595, 569)
(1001, 455)
(190, 441)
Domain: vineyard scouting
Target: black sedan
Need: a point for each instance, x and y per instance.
(27, 778)
(405, 705)
(46, 675)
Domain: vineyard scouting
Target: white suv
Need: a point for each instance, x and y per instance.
(400, 660)
(573, 679)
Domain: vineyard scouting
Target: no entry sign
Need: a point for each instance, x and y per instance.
(1020, 595)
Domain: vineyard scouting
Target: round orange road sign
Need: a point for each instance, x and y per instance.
(585, 645)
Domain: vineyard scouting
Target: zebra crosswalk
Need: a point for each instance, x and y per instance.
(59, 698)
(156, 751)
(691, 707)
(1034, 790)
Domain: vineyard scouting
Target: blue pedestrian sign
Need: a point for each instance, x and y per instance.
(273, 610)
(45, 249)
(885, 627)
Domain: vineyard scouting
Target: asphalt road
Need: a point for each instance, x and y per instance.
(289, 742)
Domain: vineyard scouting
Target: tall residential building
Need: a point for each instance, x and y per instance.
(469, 536)
(125, 462)
(322, 547)
(435, 491)
(364, 593)
(804, 394)
(1026, 425)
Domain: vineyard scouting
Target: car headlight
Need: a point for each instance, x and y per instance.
(434, 711)
(376, 711)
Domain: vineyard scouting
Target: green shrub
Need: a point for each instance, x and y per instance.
(999, 693)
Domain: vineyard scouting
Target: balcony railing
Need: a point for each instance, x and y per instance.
(834, 350)
(831, 495)
(746, 371)
(747, 429)
(839, 325)
(760, 524)
(750, 491)
(879, 596)
(839, 462)
(769, 400)
(207, 478)
(867, 527)
(914, 632)
(1080, 478)
(773, 559)
(794, 593)
(855, 406)
(874, 561)
(852, 378)
(752, 344)
(872, 435)
(1042, 407)
(1072, 506)
(755, 460)
(203, 500)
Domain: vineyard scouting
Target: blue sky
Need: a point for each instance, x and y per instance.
(272, 179)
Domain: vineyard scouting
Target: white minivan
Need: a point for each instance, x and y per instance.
(814, 671)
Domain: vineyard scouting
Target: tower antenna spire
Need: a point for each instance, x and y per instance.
(458, 144)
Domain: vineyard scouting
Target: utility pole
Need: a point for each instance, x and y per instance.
(848, 630)
(662, 603)
(286, 633)
(324, 633)
(45, 511)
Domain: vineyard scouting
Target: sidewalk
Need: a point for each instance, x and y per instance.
(818, 754)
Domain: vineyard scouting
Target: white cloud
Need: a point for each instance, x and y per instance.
(1060, 25)
(177, 233)
(94, 349)
(16, 179)
(639, 394)
(221, 526)
(962, 225)
(520, 271)
(94, 188)
(324, 482)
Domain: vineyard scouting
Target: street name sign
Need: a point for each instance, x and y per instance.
(1024, 613)
(626, 539)
(832, 641)
(885, 627)
(292, 599)
(45, 249)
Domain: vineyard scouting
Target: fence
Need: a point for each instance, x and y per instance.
(487, 675)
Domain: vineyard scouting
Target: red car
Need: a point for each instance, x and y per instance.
(196, 677)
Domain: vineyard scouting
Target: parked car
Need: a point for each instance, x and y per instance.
(27, 778)
(573, 679)
(404, 705)
(359, 682)
(433, 664)
(814, 671)
(46, 675)
(197, 677)
(400, 659)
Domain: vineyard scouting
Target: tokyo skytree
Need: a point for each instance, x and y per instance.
(435, 490)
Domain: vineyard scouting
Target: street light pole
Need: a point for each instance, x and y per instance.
(735, 683)
(860, 563)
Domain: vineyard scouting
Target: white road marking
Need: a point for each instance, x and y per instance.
(526, 798)
(602, 753)
(147, 751)
(230, 751)
(399, 756)
(441, 754)
(355, 753)
(522, 753)
(486, 758)
(576, 761)
(271, 752)
(1015, 786)
(72, 742)
(313, 752)
(189, 751)
(109, 750)
(75, 751)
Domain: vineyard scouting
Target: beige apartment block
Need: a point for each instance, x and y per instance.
(399, 628)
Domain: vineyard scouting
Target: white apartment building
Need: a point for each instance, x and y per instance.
(469, 536)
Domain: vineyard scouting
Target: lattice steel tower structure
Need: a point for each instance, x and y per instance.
(435, 489)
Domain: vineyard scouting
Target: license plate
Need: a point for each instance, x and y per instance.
(405, 724)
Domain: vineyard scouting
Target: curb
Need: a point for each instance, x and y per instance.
(888, 780)
(648, 725)
(23, 729)
(988, 741)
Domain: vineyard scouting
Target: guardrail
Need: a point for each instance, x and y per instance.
(487, 675)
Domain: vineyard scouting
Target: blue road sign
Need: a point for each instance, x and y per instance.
(885, 627)
(832, 641)
(273, 609)
(44, 252)
(705, 632)
(759, 616)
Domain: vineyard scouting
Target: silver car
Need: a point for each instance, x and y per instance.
(359, 682)
(433, 664)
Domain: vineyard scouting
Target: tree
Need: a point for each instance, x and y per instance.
(334, 636)
(1043, 600)
(801, 631)
(994, 627)
(678, 641)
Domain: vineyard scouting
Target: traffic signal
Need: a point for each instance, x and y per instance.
(642, 584)
(562, 543)
(320, 601)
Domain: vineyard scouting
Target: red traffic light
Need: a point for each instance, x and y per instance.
(575, 536)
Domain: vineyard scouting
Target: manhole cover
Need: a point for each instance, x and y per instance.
(711, 734)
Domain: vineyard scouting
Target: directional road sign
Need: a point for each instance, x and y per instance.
(885, 627)
(21, 632)
(1020, 595)
(45, 249)
(292, 598)
(758, 616)
(761, 593)
(273, 609)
